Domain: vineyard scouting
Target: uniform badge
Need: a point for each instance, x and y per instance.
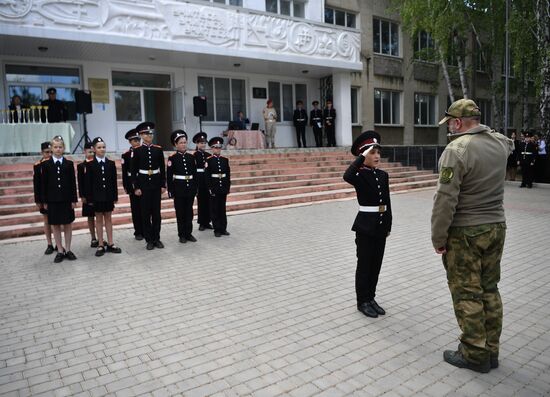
(122, 161)
(169, 163)
(446, 174)
(132, 154)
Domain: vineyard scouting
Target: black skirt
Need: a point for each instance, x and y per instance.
(104, 206)
(60, 213)
(87, 210)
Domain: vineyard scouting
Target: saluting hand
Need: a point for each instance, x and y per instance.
(364, 154)
(137, 192)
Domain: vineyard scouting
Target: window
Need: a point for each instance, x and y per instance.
(424, 48)
(289, 94)
(224, 97)
(339, 17)
(485, 108)
(128, 105)
(31, 82)
(293, 8)
(480, 64)
(237, 3)
(354, 105)
(387, 107)
(386, 37)
(424, 109)
(456, 49)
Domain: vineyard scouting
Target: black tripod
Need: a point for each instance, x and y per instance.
(84, 136)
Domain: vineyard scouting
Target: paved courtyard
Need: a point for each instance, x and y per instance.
(268, 311)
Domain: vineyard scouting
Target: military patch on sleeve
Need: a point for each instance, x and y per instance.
(446, 174)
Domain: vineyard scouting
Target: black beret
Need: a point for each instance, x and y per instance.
(88, 145)
(45, 145)
(97, 140)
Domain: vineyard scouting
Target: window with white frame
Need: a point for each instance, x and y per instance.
(340, 17)
(285, 96)
(355, 106)
(224, 97)
(424, 47)
(485, 109)
(237, 3)
(385, 37)
(387, 107)
(424, 109)
(293, 8)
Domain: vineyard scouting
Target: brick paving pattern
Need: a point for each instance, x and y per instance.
(268, 311)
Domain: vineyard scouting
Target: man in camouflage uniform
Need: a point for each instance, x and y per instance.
(468, 229)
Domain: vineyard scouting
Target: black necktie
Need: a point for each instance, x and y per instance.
(58, 163)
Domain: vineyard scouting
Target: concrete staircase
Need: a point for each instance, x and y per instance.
(260, 180)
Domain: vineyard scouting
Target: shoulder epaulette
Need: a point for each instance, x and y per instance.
(209, 157)
(39, 162)
(160, 147)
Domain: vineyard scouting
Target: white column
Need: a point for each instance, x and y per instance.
(341, 91)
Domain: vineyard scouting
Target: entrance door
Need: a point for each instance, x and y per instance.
(158, 109)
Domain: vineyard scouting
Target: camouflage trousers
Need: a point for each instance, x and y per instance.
(472, 263)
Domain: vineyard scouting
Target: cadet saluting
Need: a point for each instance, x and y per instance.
(149, 181)
(218, 178)
(182, 186)
(373, 222)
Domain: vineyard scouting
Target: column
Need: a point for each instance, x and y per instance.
(341, 91)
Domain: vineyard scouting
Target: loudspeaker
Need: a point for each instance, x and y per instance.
(83, 99)
(199, 106)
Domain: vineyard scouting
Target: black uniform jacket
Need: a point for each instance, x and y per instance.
(148, 158)
(300, 117)
(200, 159)
(372, 187)
(218, 174)
(80, 178)
(57, 111)
(329, 115)
(101, 181)
(315, 117)
(126, 169)
(37, 181)
(58, 183)
(527, 147)
(181, 165)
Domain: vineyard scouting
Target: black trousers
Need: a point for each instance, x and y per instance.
(203, 206)
(150, 214)
(318, 134)
(218, 212)
(527, 173)
(301, 135)
(370, 252)
(184, 214)
(135, 205)
(331, 136)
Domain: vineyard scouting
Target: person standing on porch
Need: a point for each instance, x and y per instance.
(316, 122)
(300, 122)
(270, 117)
(329, 116)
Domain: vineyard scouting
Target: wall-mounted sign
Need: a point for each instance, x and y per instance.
(100, 90)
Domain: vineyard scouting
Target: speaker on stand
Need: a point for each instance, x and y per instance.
(199, 109)
(83, 99)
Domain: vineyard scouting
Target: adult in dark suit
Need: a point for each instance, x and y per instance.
(300, 123)
(57, 111)
(373, 222)
(316, 122)
(17, 107)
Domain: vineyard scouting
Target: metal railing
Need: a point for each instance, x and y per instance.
(424, 157)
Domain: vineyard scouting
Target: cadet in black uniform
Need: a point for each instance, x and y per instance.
(46, 151)
(300, 122)
(316, 122)
(57, 111)
(527, 156)
(329, 116)
(218, 178)
(59, 194)
(135, 141)
(102, 194)
(149, 181)
(87, 209)
(373, 222)
(181, 172)
(203, 195)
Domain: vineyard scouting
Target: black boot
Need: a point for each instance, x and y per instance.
(457, 359)
(367, 309)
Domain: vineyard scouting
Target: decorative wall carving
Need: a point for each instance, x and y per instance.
(186, 22)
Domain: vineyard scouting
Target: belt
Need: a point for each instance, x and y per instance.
(184, 177)
(200, 169)
(218, 176)
(129, 174)
(373, 208)
(526, 153)
(300, 119)
(149, 172)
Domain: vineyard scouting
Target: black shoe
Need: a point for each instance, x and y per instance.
(70, 256)
(150, 246)
(183, 240)
(202, 228)
(494, 361)
(158, 244)
(100, 251)
(455, 357)
(367, 309)
(217, 234)
(522, 185)
(377, 307)
(59, 257)
(138, 237)
(226, 233)
(191, 238)
(529, 186)
(113, 249)
(49, 250)
(94, 243)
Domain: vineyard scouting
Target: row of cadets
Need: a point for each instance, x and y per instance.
(58, 196)
(148, 176)
(218, 179)
(46, 151)
(135, 141)
(87, 209)
(181, 172)
(203, 195)
(101, 192)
